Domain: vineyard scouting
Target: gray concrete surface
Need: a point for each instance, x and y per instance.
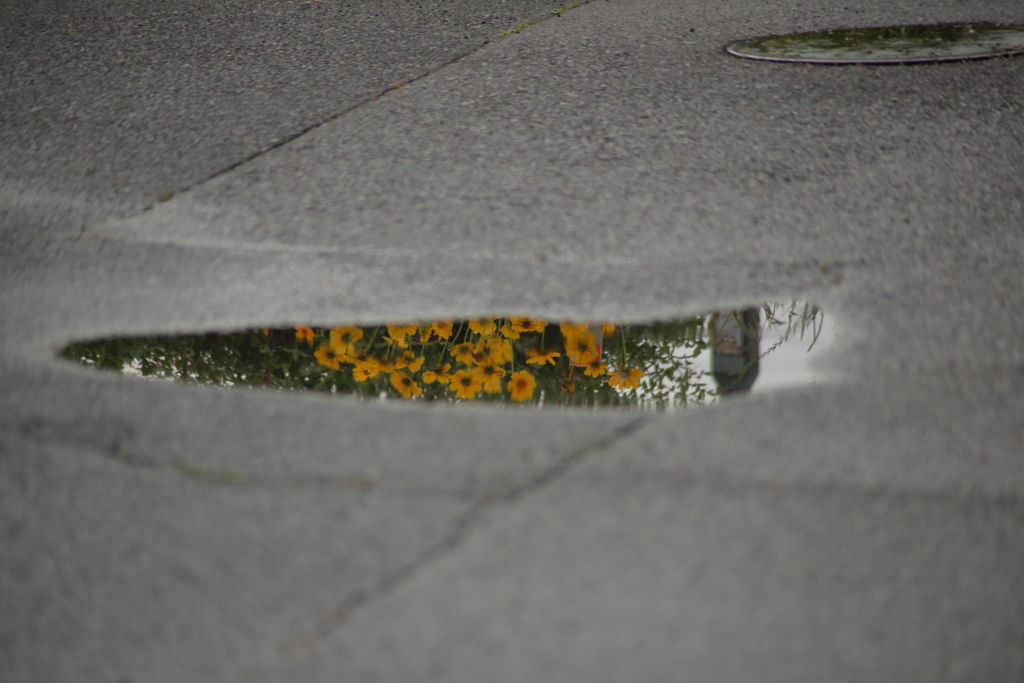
(608, 163)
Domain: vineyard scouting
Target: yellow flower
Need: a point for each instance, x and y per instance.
(521, 385)
(368, 368)
(595, 370)
(365, 369)
(571, 330)
(410, 361)
(625, 379)
(398, 334)
(343, 340)
(304, 334)
(464, 352)
(490, 377)
(608, 328)
(465, 384)
(580, 348)
(496, 350)
(397, 331)
(443, 329)
(485, 328)
(405, 384)
(517, 324)
(328, 356)
(508, 331)
(527, 325)
(431, 376)
(541, 357)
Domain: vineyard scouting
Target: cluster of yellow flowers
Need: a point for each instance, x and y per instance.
(479, 351)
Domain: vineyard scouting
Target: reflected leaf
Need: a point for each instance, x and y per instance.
(657, 366)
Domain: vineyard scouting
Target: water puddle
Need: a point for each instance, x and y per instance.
(887, 45)
(522, 361)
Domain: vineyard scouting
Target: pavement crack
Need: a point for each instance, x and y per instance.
(562, 467)
(285, 139)
(550, 15)
(463, 527)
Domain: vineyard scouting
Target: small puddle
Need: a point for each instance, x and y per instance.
(524, 361)
(887, 45)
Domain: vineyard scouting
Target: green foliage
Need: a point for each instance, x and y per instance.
(665, 352)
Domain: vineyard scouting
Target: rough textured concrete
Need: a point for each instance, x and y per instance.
(109, 105)
(609, 163)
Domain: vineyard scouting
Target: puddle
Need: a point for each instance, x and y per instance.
(523, 361)
(887, 45)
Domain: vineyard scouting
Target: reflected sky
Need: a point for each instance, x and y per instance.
(663, 365)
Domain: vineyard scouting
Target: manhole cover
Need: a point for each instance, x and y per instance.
(520, 361)
(887, 45)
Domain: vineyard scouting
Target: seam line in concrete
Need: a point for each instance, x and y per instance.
(284, 140)
(453, 540)
(212, 475)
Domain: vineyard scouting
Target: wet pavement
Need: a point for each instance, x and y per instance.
(661, 365)
(887, 45)
(612, 162)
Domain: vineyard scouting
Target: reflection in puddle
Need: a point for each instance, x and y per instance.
(510, 360)
(887, 45)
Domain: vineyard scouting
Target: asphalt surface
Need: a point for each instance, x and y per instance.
(186, 166)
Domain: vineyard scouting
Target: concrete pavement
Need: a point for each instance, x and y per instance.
(609, 163)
